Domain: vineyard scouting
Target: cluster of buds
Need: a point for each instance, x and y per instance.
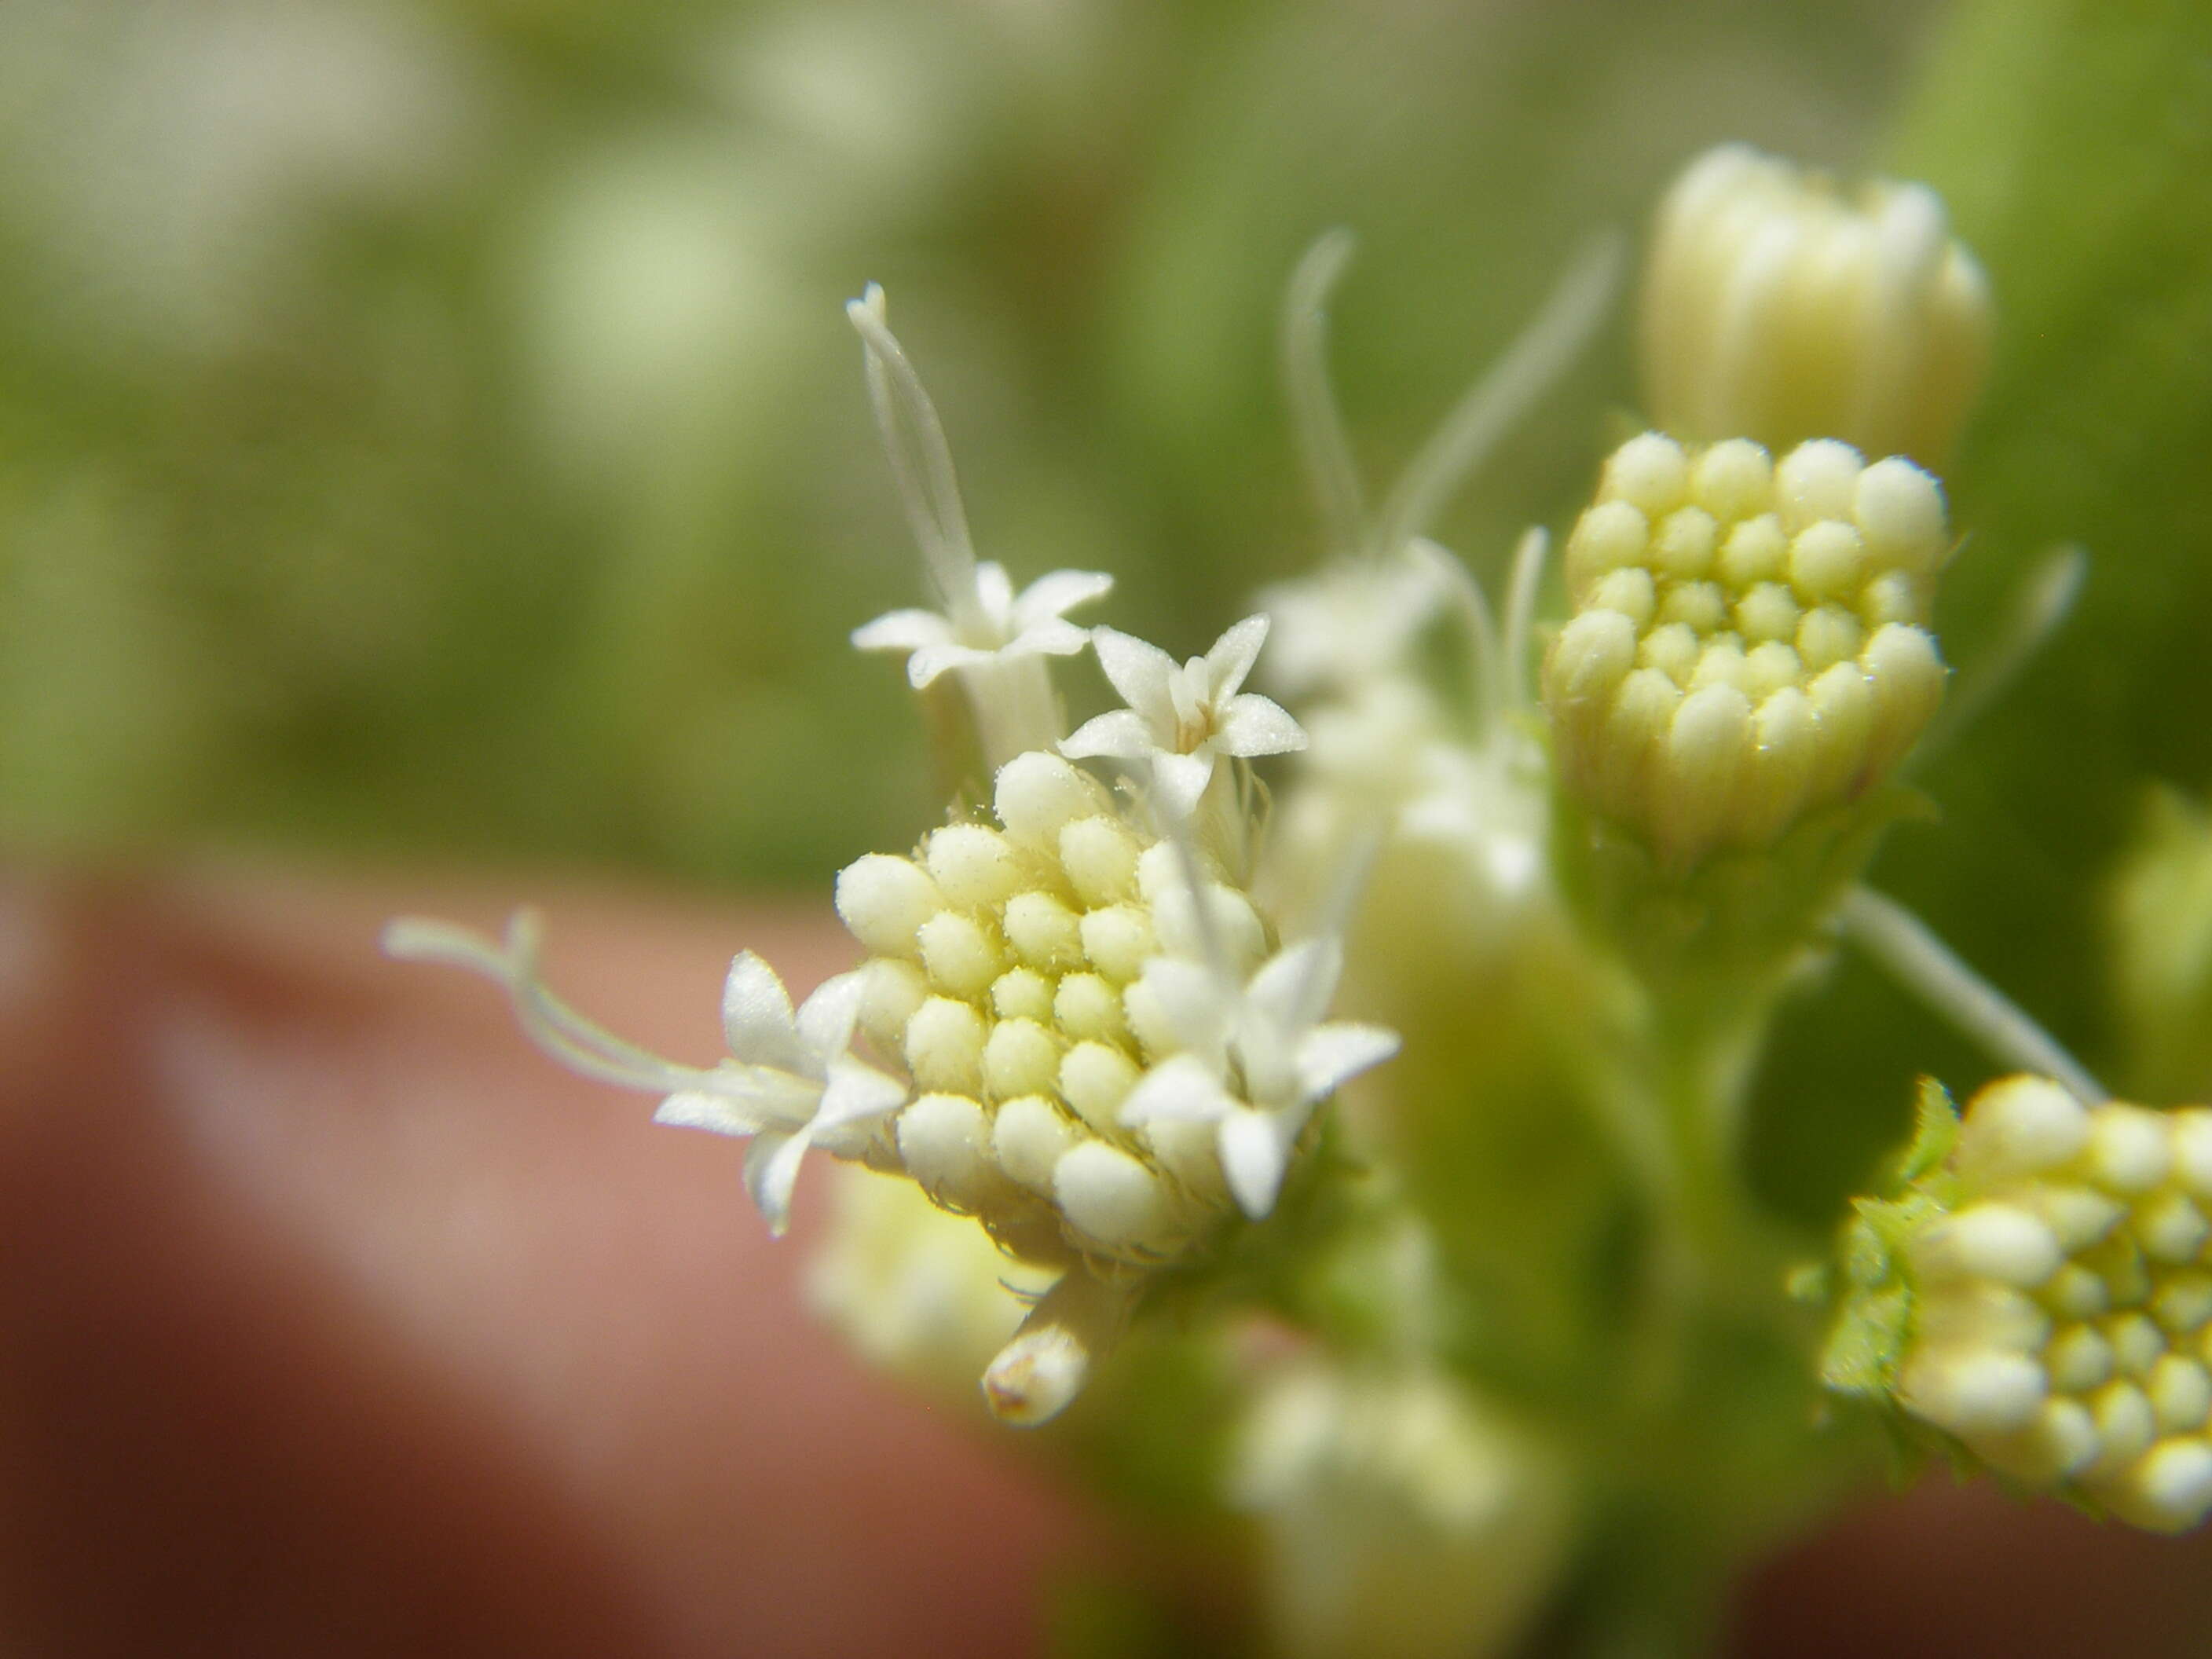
(1009, 973)
(2049, 1281)
(1749, 640)
(1781, 307)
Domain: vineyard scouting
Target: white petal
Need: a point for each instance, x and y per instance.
(902, 630)
(1232, 657)
(1140, 673)
(756, 1019)
(1198, 1007)
(1121, 735)
(1254, 725)
(1293, 989)
(1057, 593)
(994, 592)
(1180, 780)
(826, 1018)
(771, 1170)
(1183, 1089)
(857, 1091)
(1255, 1151)
(926, 664)
(1051, 637)
(1330, 1056)
(694, 1108)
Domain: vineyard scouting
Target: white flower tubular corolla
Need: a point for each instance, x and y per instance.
(1002, 626)
(992, 639)
(1749, 642)
(1179, 719)
(1257, 1061)
(1779, 307)
(790, 1082)
(2062, 1294)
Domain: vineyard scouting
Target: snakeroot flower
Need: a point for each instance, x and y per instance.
(997, 626)
(1179, 719)
(1258, 1057)
(987, 635)
(791, 1081)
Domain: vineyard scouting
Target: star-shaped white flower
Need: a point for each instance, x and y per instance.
(791, 1081)
(1002, 624)
(1257, 1059)
(1180, 718)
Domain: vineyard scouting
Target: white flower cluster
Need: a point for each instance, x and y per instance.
(1749, 642)
(1780, 306)
(2063, 1302)
(1061, 1001)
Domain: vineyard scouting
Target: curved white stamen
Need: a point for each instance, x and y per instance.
(928, 488)
(1319, 422)
(559, 1030)
(1489, 408)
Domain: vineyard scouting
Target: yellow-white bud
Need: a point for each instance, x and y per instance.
(1030, 1136)
(1749, 641)
(1100, 856)
(1038, 794)
(1779, 306)
(961, 955)
(944, 1046)
(884, 900)
(973, 865)
(1113, 1198)
(944, 1140)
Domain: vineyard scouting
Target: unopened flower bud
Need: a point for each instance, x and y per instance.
(1749, 643)
(1780, 306)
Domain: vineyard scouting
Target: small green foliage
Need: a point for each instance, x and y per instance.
(1874, 1320)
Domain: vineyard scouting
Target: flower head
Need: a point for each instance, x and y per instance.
(1257, 1059)
(792, 1080)
(992, 639)
(999, 625)
(1179, 719)
(1749, 642)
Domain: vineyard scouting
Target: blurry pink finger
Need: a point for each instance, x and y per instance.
(334, 1319)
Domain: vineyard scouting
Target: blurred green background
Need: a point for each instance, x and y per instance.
(431, 430)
